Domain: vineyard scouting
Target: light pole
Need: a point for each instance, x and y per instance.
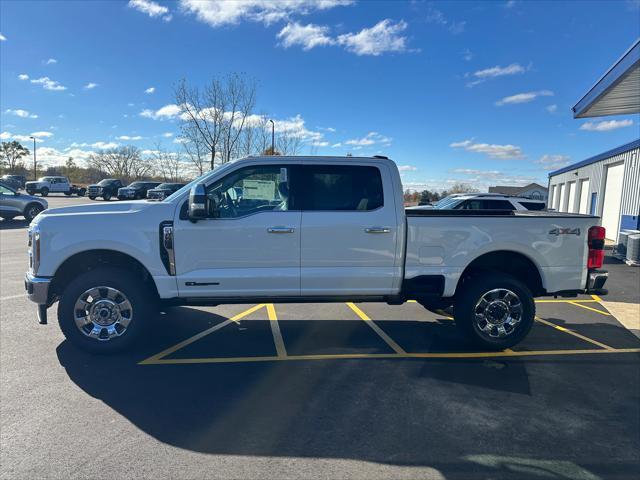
(273, 138)
(35, 171)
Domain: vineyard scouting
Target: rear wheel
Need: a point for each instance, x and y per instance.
(32, 210)
(82, 192)
(495, 310)
(106, 197)
(105, 310)
(68, 193)
(91, 197)
(44, 192)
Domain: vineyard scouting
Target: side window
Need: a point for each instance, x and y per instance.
(5, 191)
(341, 188)
(499, 205)
(533, 205)
(250, 190)
(471, 205)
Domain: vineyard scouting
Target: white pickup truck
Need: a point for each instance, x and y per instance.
(303, 229)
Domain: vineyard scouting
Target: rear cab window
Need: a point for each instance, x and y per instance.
(532, 205)
(340, 188)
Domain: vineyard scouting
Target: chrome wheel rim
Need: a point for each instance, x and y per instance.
(102, 313)
(498, 313)
(33, 212)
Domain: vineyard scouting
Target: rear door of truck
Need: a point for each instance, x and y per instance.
(349, 229)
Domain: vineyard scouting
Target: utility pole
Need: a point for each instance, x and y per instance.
(35, 171)
(273, 138)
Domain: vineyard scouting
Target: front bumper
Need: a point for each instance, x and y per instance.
(38, 291)
(126, 195)
(37, 288)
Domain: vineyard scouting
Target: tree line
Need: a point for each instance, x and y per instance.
(424, 197)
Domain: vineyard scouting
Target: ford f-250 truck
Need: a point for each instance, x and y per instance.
(303, 229)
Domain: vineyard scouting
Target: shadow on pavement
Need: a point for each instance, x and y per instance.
(435, 413)
(13, 224)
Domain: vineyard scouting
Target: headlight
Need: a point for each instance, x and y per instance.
(34, 248)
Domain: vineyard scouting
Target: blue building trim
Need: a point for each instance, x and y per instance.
(611, 153)
(608, 80)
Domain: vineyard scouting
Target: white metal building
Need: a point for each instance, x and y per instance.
(607, 185)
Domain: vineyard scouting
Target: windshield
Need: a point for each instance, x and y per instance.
(187, 187)
(136, 184)
(102, 183)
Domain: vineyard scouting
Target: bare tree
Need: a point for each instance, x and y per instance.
(124, 162)
(288, 143)
(216, 115)
(167, 164)
(195, 148)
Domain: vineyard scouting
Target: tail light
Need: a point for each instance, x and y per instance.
(596, 247)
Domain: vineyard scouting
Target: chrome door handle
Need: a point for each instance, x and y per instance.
(377, 230)
(281, 229)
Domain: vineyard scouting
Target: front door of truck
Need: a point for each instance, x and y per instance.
(251, 244)
(349, 230)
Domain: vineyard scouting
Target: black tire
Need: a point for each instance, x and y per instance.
(31, 210)
(44, 191)
(142, 300)
(472, 291)
(68, 194)
(31, 192)
(106, 196)
(82, 192)
(91, 197)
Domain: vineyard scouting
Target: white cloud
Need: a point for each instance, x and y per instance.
(46, 83)
(42, 134)
(51, 61)
(407, 168)
(90, 86)
(552, 108)
(180, 140)
(150, 90)
(605, 125)
(322, 143)
(217, 13)
(23, 76)
(103, 145)
(129, 138)
(336, 145)
(553, 162)
(524, 97)
(307, 36)
(20, 113)
(499, 152)
(467, 55)
(436, 16)
(381, 38)
(2, 38)
(19, 138)
(372, 138)
(168, 111)
(485, 74)
(296, 126)
(151, 8)
(167, 134)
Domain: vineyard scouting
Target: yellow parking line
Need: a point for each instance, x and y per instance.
(155, 358)
(575, 334)
(592, 309)
(357, 356)
(275, 330)
(387, 339)
(566, 301)
(596, 298)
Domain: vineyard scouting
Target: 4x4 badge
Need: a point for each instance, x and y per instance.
(565, 231)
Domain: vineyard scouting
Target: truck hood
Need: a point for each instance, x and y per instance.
(91, 211)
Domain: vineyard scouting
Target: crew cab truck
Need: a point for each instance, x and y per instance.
(106, 189)
(46, 185)
(305, 229)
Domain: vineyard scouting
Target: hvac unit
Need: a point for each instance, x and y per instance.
(621, 247)
(633, 249)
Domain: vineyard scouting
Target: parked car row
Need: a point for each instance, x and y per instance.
(112, 187)
(484, 201)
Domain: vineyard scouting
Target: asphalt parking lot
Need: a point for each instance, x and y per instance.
(319, 391)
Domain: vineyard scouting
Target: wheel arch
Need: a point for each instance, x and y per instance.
(88, 260)
(509, 262)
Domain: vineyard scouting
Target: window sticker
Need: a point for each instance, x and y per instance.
(258, 189)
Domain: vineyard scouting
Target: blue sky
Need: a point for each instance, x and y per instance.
(478, 92)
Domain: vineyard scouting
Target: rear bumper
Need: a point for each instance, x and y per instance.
(596, 281)
(37, 288)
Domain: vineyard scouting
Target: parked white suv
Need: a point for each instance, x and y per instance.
(303, 229)
(485, 201)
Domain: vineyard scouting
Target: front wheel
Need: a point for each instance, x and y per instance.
(495, 310)
(44, 192)
(32, 210)
(106, 197)
(68, 194)
(91, 197)
(105, 310)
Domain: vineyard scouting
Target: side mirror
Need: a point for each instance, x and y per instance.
(198, 203)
